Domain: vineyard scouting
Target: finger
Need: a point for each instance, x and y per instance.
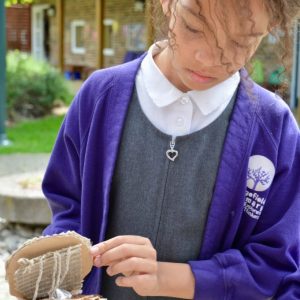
(119, 240)
(132, 265)
(125, 251)
(97, 249)
(97, 261)
(133, 281)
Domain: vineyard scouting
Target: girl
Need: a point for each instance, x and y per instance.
(182, 171)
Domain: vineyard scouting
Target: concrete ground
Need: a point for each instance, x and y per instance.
(21, 198)
(17, 164)
(4, 293)
(22, 163)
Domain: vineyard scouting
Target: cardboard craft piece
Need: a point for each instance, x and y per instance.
(90, 297)
(84, 297)
(47, 263)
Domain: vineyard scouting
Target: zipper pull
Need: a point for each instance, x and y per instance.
(172, 154)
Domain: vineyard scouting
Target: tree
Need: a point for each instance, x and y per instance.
(12, 2)
(258, 176)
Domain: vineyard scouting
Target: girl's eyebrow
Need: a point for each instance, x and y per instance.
(189, 9)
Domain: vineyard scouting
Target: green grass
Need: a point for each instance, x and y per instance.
(34, 136)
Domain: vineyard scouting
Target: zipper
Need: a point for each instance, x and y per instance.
(172, 154)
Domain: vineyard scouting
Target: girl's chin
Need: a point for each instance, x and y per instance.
(187, 80)
(190, 85)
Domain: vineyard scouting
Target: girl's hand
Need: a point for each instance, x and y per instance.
(132, 256)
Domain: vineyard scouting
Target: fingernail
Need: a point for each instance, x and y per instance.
(94, 250)
(119, 281)
(97, 261)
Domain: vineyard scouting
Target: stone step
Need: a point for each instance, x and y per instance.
(22, 200)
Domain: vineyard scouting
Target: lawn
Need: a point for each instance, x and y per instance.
(34, 136)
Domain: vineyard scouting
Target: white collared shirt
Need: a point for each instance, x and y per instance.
(174, 112)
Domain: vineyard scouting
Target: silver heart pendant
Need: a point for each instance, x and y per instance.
(172, 154)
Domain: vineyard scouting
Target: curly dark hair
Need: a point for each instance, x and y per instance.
(283, 15)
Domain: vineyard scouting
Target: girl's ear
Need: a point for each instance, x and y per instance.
(165, 4)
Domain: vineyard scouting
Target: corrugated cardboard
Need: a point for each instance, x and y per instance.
(47, 263)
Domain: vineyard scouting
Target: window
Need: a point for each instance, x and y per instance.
(77, 37)
(108, 37)
(135, 37)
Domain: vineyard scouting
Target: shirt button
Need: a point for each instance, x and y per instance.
(179, 122)
(184, 100)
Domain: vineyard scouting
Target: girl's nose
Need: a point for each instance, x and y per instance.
(210, 57)
(205, 57)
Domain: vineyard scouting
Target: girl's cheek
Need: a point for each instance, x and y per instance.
(237, 57)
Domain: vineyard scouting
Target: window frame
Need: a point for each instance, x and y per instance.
(108, 51)
(74, 48)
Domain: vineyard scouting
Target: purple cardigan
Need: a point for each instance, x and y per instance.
(252, 237)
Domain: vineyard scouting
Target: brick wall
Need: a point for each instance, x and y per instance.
(121, 11)
(123, 14)
(18, 28)
(84, 11)
(73, 10)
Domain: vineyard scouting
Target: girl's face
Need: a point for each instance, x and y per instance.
(210, 43)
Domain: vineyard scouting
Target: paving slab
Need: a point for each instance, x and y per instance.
(21, 197)
(23, 163)
(22, 200)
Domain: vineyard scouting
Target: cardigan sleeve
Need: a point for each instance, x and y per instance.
(62, 181)
(267, 265)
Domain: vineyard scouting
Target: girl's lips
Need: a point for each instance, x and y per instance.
(200, 78)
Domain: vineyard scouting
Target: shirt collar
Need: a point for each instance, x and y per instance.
(157, 84)
(211, 99)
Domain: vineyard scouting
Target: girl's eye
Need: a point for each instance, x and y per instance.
(191, 29)
(238, 45)
(197, 33)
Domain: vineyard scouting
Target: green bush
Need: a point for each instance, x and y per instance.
(33, 87)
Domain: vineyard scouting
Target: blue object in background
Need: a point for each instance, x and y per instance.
(76, 75)
(69, 75)
(131, 55)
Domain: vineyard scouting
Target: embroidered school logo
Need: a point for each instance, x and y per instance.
(260, 175)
